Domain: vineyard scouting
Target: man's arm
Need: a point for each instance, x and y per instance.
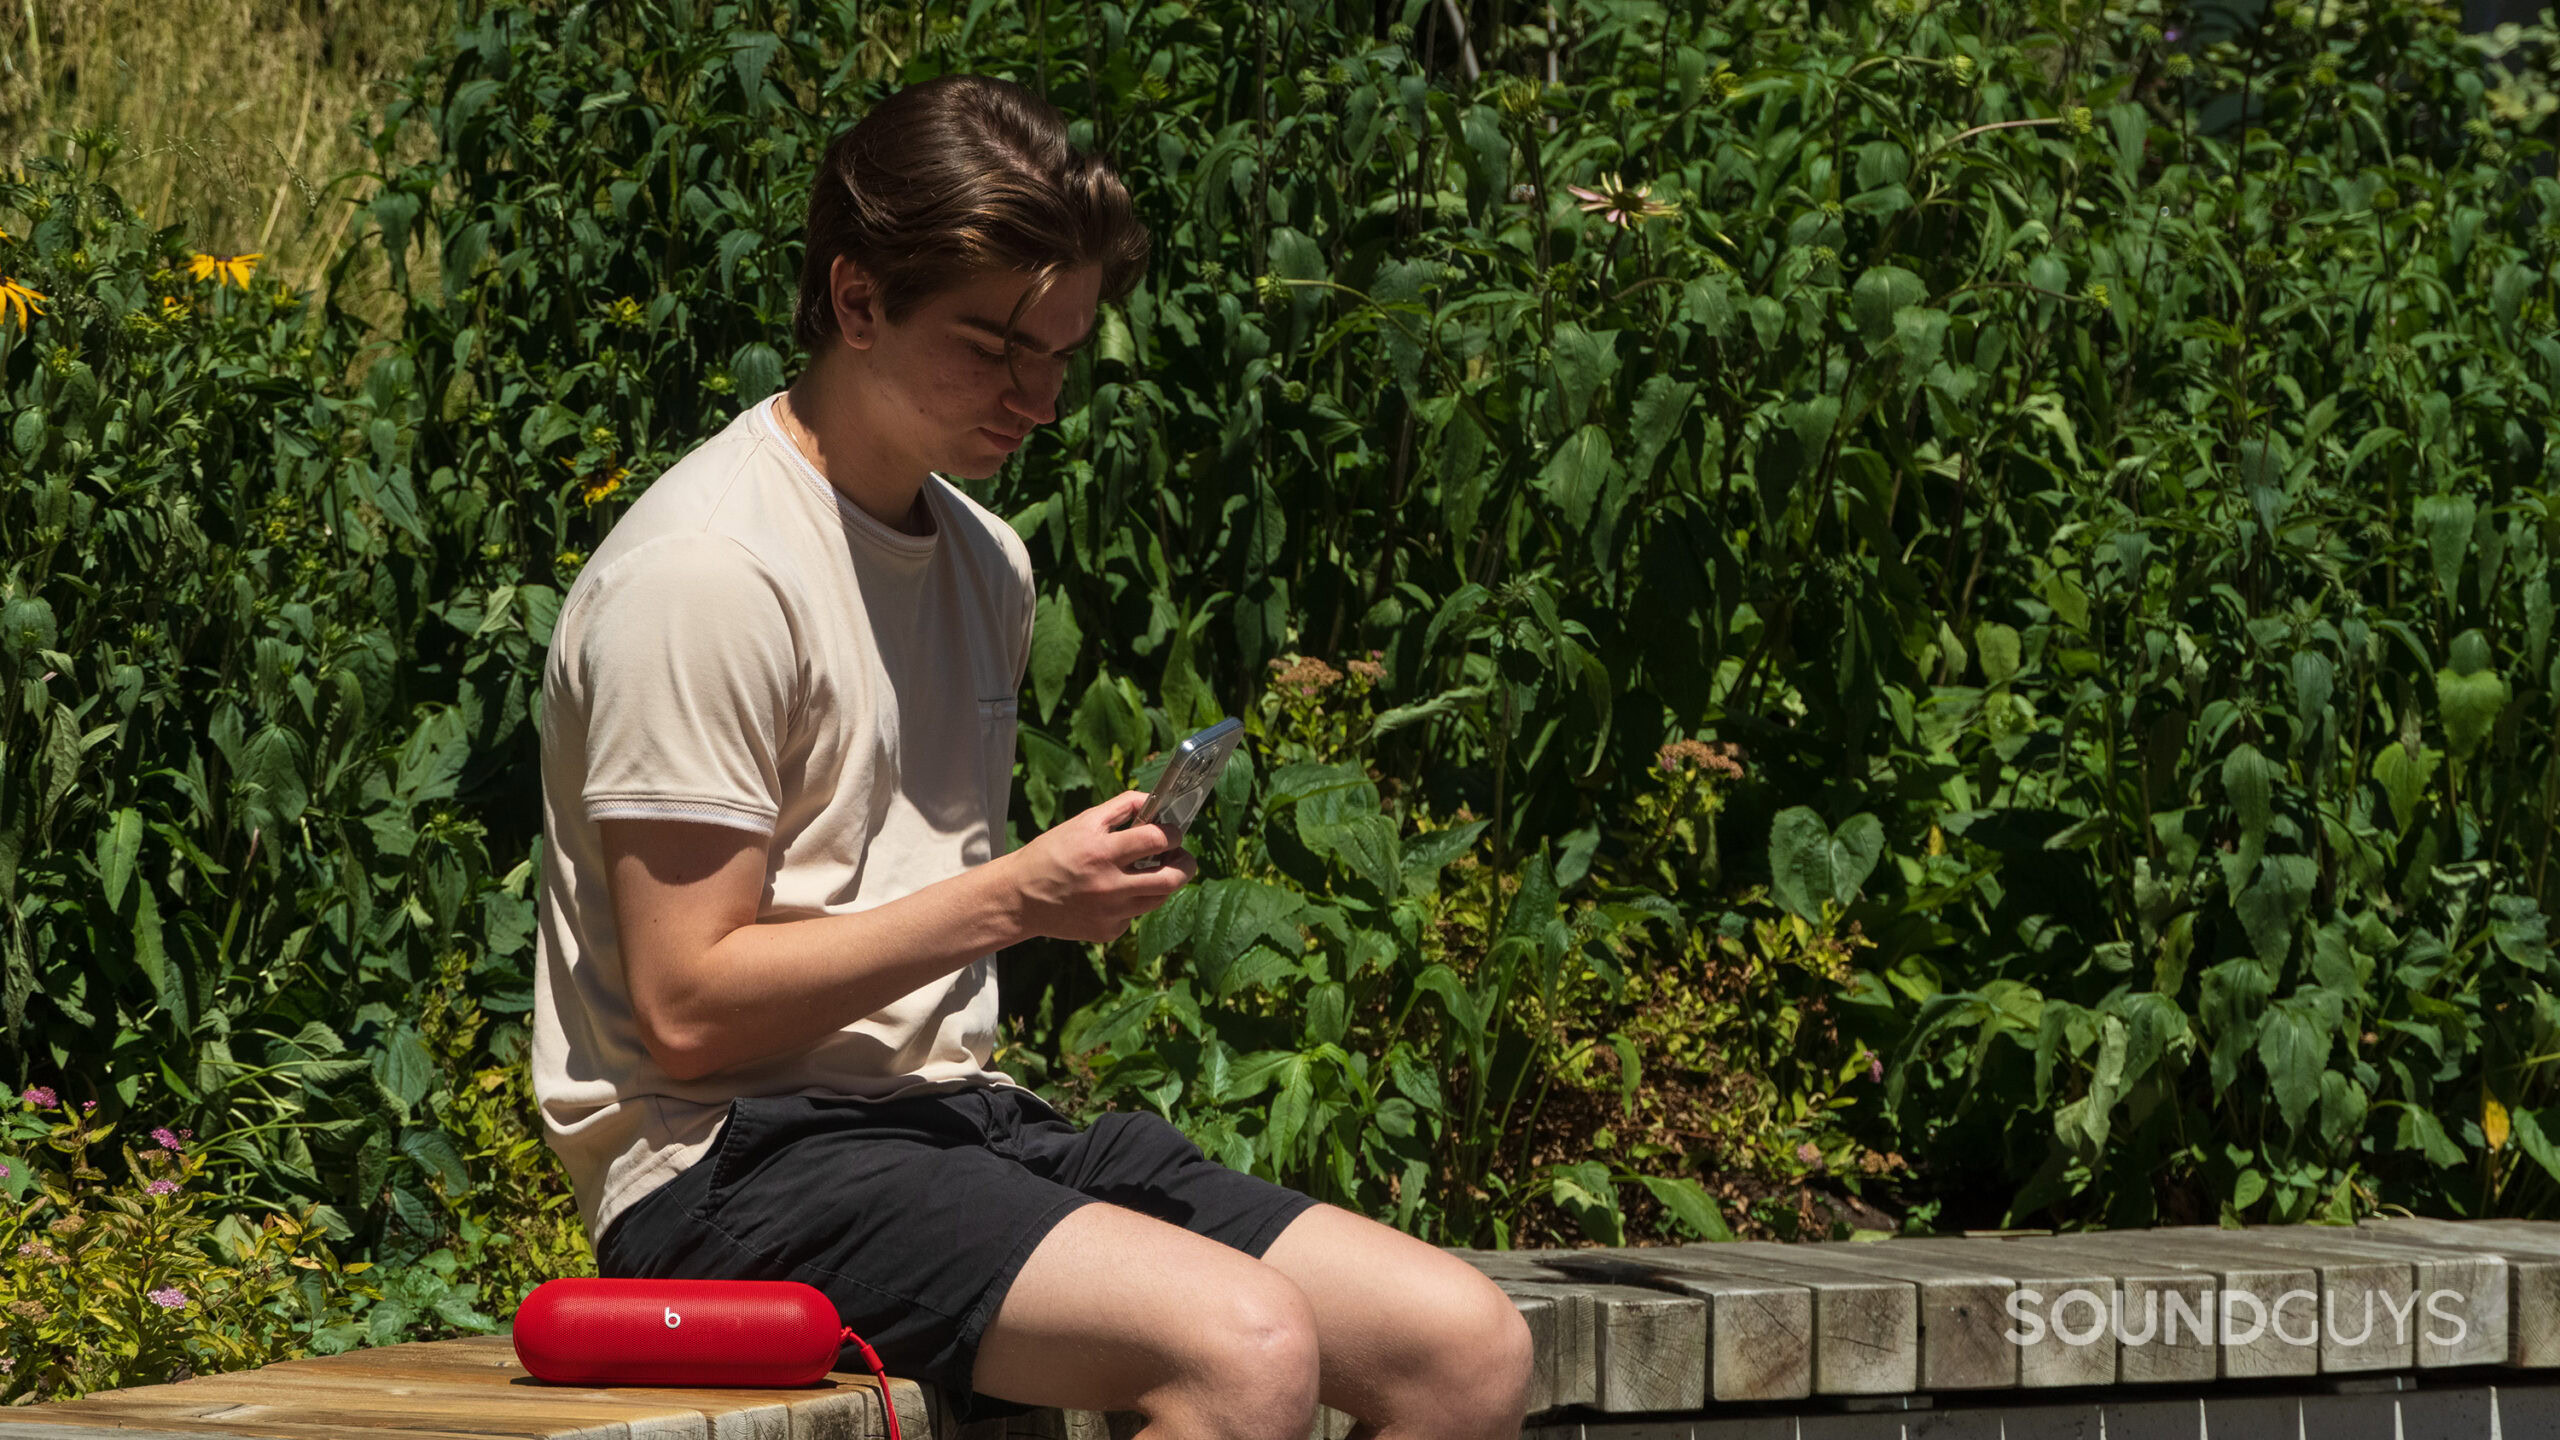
(711, 988)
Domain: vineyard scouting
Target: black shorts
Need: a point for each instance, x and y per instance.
(915, 1214)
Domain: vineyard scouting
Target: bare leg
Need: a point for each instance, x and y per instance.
(1117, 1311)
(1413, 1342)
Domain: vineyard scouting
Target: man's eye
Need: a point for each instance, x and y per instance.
(983, 353)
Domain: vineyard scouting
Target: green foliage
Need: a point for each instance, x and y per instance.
(242, 722)
(106, 1284)
(2122, 547)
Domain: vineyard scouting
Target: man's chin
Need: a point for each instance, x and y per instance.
(975, 467)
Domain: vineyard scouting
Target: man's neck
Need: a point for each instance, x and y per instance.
(822, 416)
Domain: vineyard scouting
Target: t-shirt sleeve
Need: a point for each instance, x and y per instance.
(689, 666)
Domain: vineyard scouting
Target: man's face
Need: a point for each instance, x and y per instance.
(955, 404)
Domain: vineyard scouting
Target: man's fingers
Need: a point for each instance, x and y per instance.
(1140, 840)
(1120, 808)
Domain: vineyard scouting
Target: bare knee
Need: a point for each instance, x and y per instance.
(1250, 1365)
(1476, 1371)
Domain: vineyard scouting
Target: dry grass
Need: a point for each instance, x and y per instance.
(233, 117)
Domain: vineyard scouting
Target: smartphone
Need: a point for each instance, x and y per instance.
(1188, 777)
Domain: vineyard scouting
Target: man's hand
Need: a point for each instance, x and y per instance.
(1075, 879)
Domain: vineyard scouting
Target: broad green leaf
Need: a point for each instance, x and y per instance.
(2447, 521)
(118, 847)
(1056, 641)
(1997, 647)
(1687, 1201)
(2404, 778)
(1576, 473)
(403, 1069)
(1810, 865)
(1585, 363)
(2469, 706)
(1879, 294)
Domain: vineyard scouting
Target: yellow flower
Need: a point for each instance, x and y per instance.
(2493, 1122)
(593, 488)
(173, 309)
(19, 299)
(224, 269)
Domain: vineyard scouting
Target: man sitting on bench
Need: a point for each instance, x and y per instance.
(778, 735)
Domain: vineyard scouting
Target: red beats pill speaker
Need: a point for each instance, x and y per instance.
(708, 1333)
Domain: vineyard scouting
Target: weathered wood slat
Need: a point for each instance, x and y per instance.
(320, 1420)
(1866, 1332)
(1759, 1333)
(75, 1420)
(2472, 1288)
(1648, 1347)
(2243, 1281)
(2533, 1269)
(2050, 1363)
(251, 1399)
(2351, 1301)
(1963, 1311)
(843, 1406)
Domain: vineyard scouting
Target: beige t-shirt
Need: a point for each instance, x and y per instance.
(749, 648)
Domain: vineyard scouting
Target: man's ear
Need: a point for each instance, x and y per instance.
(849, 288)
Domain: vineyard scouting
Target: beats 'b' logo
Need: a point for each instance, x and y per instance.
(673, 1319)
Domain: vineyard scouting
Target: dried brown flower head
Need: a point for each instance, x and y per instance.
(1680, 756)
(1307, 677)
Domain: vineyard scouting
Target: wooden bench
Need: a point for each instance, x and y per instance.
(2028, 1335)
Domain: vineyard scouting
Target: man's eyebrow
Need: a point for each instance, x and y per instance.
(996, 328)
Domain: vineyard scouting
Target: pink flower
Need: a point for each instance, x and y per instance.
(162, 1187)
(40, 1097)
(1808, 1152)
(1875, 1066)
(88, 1105)
(167, 1137)
(1622, 204)
(4, 1170)
(170, 1298)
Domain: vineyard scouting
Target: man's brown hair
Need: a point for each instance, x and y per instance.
(953, 177)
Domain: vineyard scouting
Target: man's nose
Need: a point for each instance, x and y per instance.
(1035, 396)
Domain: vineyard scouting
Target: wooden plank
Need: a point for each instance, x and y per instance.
(1866, 1332)
(843, 1406)
(2249, 1285)
(2533, 1274)
(314, 1423)
(248, 1397)
(1538, 1312)
(31, 1430)
(732, 1414)
(2472, 1288)
(1759, 1332)
(2168, 1333)
(64, 1420)
(848, 1408)
(1648, 1347)
(2356, 1296)
(764, 1413)
(1964, 1312)
(491, 1360)
(2048, 1362)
